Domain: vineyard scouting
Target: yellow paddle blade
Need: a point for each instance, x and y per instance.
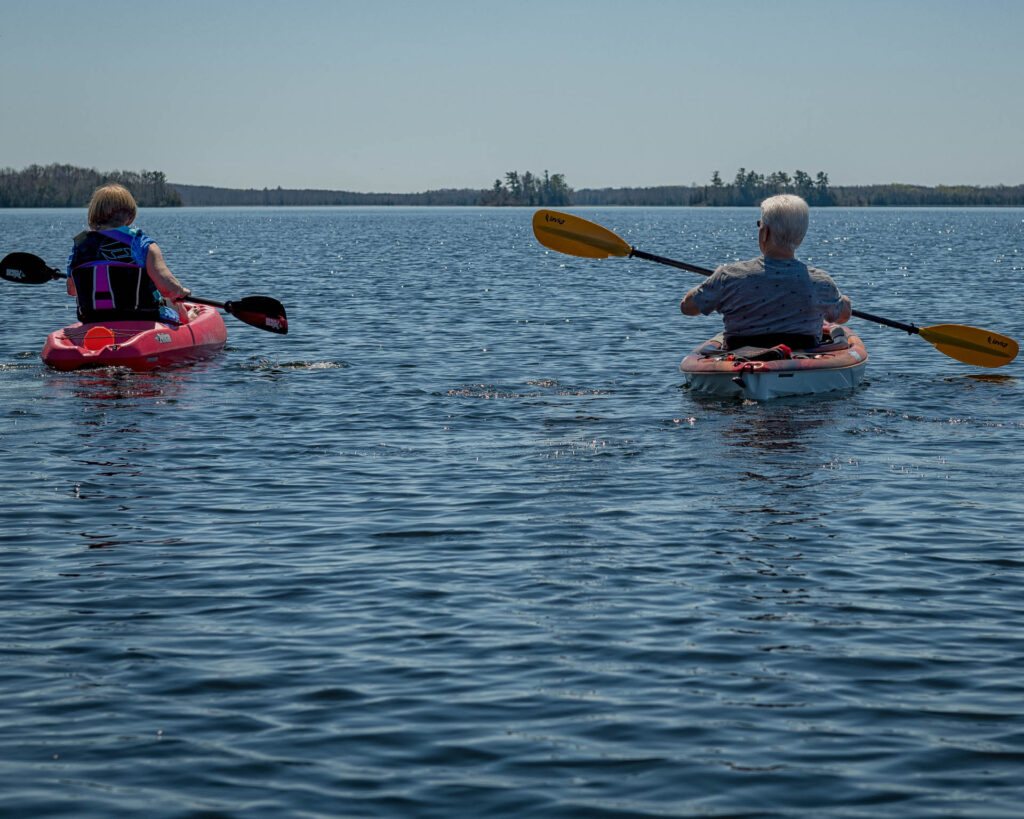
(576, 237)
(971, 345)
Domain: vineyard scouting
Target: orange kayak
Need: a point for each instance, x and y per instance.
(837, 364)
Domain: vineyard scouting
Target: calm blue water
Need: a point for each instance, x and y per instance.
(462, 542)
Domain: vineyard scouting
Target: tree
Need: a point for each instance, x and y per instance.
(512, 183)
(802, 184)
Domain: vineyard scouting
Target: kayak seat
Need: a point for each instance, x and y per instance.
(779, 352)
(834, 337)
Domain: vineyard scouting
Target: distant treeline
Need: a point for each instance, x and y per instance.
(666, 196)
(206, 196)
(65, 186)
(880, 196)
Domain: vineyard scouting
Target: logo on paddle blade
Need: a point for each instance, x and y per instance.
(548, 217)
(996, 342)
(14, 275)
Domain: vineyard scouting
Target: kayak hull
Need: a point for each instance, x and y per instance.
(137, 345)
(836, 365)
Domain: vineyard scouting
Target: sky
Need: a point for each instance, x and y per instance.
(390, 96)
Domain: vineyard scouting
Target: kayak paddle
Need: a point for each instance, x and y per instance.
(258, 311)
(576, 236)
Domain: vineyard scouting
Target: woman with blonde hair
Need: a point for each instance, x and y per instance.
(117, 272)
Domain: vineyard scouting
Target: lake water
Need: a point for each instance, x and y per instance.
(462, 543)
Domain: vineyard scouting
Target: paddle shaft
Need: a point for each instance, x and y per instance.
(261, 312)
(208, 302)
(59, 275)
(651, 257)
(703, 271)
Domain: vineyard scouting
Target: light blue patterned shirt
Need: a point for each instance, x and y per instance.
(763, 296)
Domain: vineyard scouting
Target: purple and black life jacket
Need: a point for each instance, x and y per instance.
(109, 284)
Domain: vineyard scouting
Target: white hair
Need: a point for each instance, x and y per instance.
(786, 216)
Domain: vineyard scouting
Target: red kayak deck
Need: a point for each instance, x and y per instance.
(138, 345)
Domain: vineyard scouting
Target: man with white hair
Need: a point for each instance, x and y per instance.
(774, 299)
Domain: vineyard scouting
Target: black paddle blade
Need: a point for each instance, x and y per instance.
(25, 268)
(260, 311)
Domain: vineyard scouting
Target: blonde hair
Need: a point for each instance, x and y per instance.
(112, 206)
(787, 217)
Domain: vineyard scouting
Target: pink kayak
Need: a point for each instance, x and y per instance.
(138, 345)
